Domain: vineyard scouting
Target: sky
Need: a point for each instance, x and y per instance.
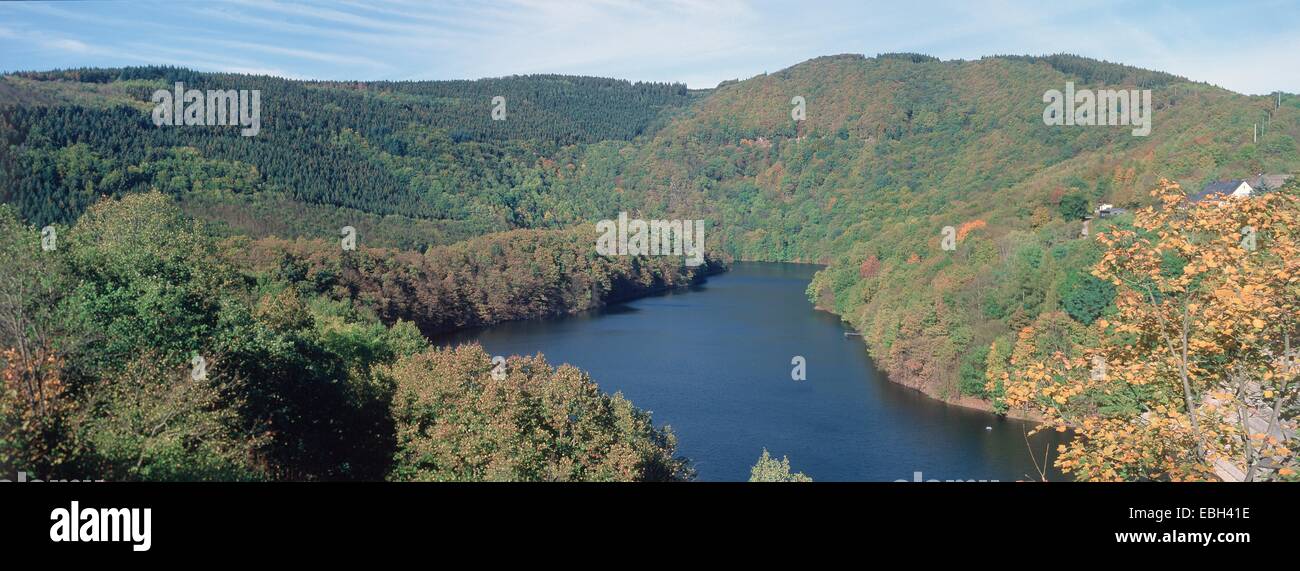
(1248, 46)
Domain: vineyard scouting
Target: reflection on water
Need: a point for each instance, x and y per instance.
(713, 362)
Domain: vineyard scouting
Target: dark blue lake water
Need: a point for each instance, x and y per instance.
(714, 363)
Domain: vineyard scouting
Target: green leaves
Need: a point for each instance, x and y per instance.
(1073, 207)
(456, 421)
(1084, 297)
(769, 469)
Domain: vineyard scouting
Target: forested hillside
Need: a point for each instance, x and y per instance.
(895, 148)
(892, 150)
(415, 151)
(145, 347)
(194, 316)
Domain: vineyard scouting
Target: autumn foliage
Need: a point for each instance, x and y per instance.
(34, 408)
(1195, 376)
(970, 226)
(457, 420)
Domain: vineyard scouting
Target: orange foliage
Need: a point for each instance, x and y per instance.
(1200, 358)
(968, 227)
(869, 268)
(33, 405)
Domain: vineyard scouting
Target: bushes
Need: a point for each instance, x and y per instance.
(35, 411)
(154, 422)
(521, 274)
(458, 421)
(971, 375)
(1073, 206)
(1085, 297)
(152, 292)
(769, 469)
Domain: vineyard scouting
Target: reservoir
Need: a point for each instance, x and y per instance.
(713, 362)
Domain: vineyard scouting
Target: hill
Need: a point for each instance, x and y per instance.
(897, 147)
(412, 150)
(893, 149)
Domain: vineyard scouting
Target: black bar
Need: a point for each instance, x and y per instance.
(227, 521)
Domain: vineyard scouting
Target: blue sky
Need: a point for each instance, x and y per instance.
(1246, 46)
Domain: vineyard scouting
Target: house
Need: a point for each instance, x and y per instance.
(1108, 211)
(1242, 187)
(1234, 187)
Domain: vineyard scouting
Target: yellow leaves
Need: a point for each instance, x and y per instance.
(1221, 395)
(1286, 472)
(1230, 303)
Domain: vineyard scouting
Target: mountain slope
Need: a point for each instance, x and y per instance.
(896, 148)
(893, 149)
(416, 150)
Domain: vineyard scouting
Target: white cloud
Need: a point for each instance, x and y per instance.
(67, 45)
(700, 42)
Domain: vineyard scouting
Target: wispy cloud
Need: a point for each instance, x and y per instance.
(700, 42)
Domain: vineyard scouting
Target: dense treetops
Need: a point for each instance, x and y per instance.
(521, 274)
(1091, 71)
(418, 149)
(769, 469)
(531, 422)
(143, 347)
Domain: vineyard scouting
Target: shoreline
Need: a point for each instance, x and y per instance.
(711, 269)
(963, 401)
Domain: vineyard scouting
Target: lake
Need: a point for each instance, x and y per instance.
(713, 361)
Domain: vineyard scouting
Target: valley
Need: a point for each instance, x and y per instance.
(466, 221)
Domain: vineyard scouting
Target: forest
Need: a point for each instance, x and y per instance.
(893, 149)
(146, 347)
